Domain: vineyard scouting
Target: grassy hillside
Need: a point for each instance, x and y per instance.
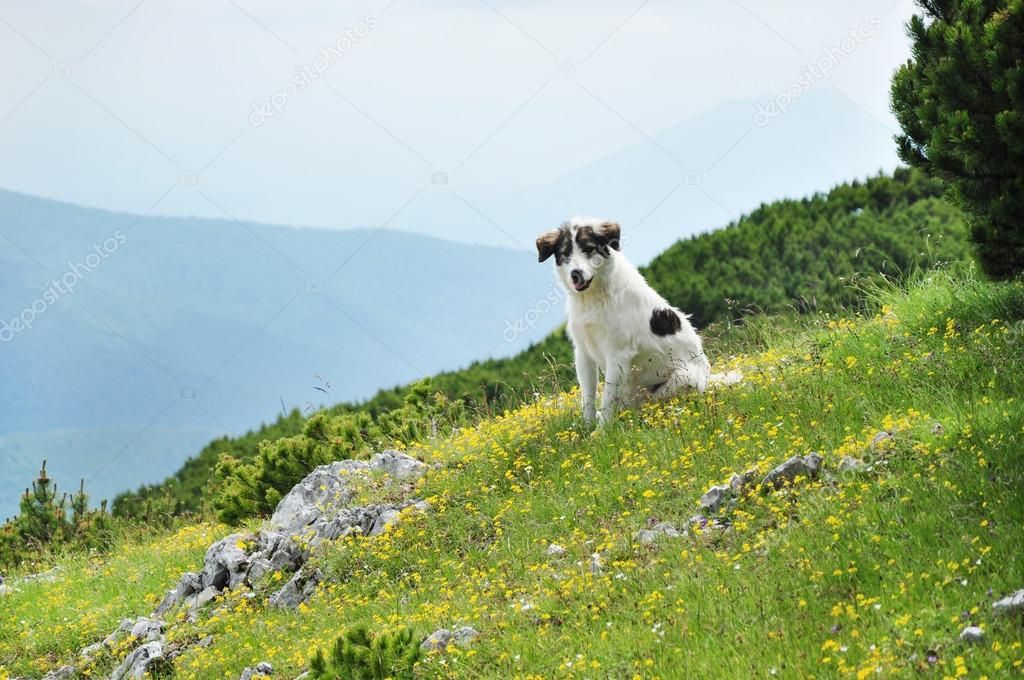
(871, 573)
(795, 254)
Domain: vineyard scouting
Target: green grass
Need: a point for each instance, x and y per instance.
(845, 577)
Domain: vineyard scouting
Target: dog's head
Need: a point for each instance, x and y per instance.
(582, 248)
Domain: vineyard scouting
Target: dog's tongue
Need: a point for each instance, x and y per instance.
(580, 286)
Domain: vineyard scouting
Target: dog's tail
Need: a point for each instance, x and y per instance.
(725, 379)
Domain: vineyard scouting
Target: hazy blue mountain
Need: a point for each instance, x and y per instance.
(180, 330)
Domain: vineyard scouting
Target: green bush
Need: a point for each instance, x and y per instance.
(43, 522)
(358, 655)
(960, 102)
(249, 488)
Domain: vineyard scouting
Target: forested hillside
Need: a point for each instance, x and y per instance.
(791, 255)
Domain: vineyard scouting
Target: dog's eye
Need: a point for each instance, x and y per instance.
(589, 251)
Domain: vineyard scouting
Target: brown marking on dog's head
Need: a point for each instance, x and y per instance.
(598, 239)
(555, 242)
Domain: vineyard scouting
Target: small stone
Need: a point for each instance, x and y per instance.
(699, 521)
(437, 640)
(89, 650)
(299, 589)
(464, 636)
(262, 670)
(386, 519)
(972, 634)
(713, 498)
(188, 584)
(596, 565)
(1011, 604)
(136, 664)
(203, 597)
(739, 482)
(788, 471)
(659, 530)
(62, 673)
(881, 437)
(849, 464)
(146, 629)
(555, 550)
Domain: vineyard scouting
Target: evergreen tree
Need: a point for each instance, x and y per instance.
(960, 102)
(42, 518)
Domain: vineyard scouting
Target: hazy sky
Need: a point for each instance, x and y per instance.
(338, 114)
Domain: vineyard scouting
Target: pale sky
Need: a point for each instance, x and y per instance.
(148, 105)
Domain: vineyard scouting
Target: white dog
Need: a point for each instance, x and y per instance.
(645, 347)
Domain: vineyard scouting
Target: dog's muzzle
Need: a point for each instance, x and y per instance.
(578, 282)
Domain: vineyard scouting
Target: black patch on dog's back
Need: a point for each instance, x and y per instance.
(665, 322)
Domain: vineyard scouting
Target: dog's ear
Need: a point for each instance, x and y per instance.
(609, 233)
(546, 244)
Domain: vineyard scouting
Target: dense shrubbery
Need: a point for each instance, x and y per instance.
(46, 520)
(358, 655)
(809, 254)
(960, 102)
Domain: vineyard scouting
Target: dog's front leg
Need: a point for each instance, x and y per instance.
(615, 374)
(586, 372)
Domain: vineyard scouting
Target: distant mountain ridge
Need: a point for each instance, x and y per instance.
(121, 324)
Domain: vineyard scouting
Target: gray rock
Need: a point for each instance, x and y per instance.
(202, 598)
(226, 563)
(189, 584)
(146, 629)
(61, 673)
(119, 632)
(138, 662)
(92, 649)
(465, 636)
(879, 438)
(442, 637)
(398, 465)
(739, 482)
(299, 589)
(1011, 604)
(328, 488)
(797, 466)
(205, 642)
(48, 576)
(6, 589)
(596, 564)
(259, 567)
(384, 520)
(972, 634)
(555, 550)
(659, 530)
(849, 464)
(713, 498)
(262, 670)
(437, 640)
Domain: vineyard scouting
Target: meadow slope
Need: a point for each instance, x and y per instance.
(870, 573)
(795, 254)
